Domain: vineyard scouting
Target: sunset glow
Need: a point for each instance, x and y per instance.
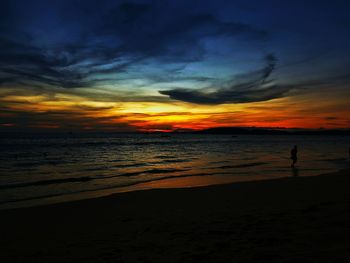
(214, 67)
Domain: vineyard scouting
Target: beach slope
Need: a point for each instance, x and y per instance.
(297, 219)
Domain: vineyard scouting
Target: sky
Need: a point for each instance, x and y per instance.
(100, 65)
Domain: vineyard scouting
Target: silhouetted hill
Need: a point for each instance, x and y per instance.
(273, 131)
(218, 130)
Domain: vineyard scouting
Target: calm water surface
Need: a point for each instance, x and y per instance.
(36, 171)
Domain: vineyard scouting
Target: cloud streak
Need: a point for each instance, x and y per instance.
(251, 87)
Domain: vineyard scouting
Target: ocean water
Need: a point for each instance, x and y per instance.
(59, 168)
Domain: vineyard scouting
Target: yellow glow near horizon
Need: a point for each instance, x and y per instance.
(294, 111)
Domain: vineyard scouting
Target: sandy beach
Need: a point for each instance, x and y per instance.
(296, 219)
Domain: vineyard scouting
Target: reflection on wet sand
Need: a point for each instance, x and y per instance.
(295, 171)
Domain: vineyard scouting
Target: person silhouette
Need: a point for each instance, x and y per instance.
(293, 155)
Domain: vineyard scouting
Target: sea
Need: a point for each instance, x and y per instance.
(44, 169)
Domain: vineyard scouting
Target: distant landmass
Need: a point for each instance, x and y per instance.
(273, 131)
(217, 130)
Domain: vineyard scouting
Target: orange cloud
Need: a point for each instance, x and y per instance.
(66, 111)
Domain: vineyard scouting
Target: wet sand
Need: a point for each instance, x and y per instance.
(296, 219)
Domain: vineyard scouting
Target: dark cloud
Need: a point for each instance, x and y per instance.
(156, 32)
(257, 86)
(250, 87)
(60, 120)
(330, 118)
(66, 67)
(101, 49)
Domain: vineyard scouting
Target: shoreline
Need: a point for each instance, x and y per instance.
(276, 220)
(177, 182)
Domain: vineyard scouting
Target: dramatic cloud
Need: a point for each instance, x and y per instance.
(104, 49)
(251, 87)
(130, 64)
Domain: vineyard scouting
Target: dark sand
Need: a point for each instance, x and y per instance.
(284, 220)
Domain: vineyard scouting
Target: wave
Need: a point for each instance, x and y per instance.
(112, 186)
(47, 182)
(165, 157)
(130, 165)
(152, 171)
(87, 178)
(239, 165)
(165, 170)
(49, 144)
(172, 161)
(336, 160)
(27, 164)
